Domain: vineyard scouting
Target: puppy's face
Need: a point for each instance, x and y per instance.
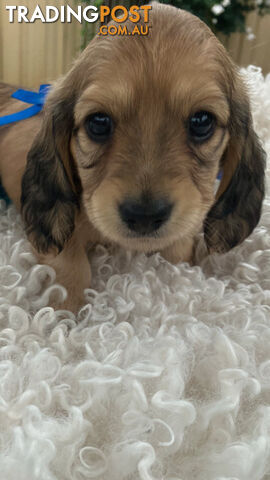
(151, 128)
(137, 131)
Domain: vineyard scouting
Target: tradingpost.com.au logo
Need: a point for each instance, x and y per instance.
(89, 14)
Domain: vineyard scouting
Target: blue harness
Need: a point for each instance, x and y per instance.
(37, 100)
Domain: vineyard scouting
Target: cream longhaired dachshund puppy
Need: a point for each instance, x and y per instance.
(128, 148)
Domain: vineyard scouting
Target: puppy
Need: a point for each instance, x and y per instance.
(128, 148)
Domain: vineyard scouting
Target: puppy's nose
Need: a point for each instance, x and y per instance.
(145, 217)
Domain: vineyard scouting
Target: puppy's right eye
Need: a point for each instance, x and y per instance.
(201, 126)
(99, 127)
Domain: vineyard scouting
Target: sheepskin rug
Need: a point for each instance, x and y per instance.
(165, 374)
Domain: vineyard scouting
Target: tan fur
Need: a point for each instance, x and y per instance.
(150, 86)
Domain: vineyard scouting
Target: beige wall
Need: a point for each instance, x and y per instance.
(36, 53)
(255, 52)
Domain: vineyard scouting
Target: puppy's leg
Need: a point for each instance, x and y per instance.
(72, 266)
(179, 251)
(72, 271)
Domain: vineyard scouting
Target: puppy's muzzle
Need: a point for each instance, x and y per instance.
(145, 217)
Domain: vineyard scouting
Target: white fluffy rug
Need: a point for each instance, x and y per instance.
(166, 375)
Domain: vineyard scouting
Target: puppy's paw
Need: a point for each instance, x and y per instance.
(72, 304)
(179, 251)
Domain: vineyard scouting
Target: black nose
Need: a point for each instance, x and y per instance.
(145, 217)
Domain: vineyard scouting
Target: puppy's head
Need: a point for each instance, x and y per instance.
(136, 134)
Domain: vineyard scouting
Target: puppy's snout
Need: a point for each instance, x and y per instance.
(145, 217)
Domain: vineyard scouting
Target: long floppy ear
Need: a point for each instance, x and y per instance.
(240, 195)
(50, 187)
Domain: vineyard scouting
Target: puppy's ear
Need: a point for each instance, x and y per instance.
(50, 187)
(239, 198)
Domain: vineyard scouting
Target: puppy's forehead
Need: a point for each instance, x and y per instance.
(176, 64)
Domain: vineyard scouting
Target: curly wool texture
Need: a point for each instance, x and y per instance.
(165, 376)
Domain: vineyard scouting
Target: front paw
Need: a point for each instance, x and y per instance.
(72, 304)
(180, 251)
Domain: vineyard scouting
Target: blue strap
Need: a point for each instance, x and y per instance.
(36, 99)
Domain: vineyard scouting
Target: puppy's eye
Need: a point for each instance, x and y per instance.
(99, 127)
(201, 125)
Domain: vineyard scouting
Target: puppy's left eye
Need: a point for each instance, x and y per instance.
(99, 127)
(201, 125)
